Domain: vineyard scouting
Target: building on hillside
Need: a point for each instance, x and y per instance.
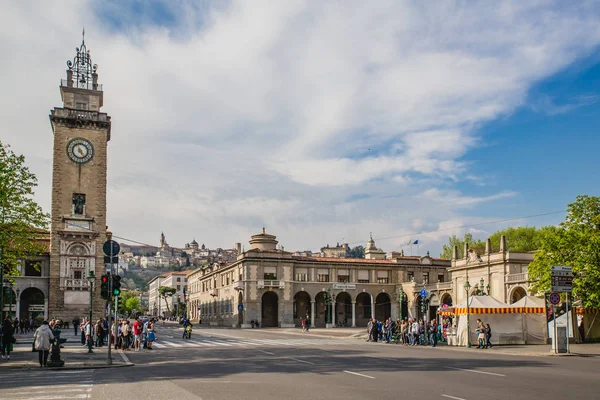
(339, 251)
(503, 275)
(166, 308)
(278, 288)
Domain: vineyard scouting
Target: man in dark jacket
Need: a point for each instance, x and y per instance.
(7, 338)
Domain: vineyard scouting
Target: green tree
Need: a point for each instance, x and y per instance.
(133, 303)
(166, 292)
(477, 245)
(576, 243)
(357, 252)
(123, 298)
(520, 239)
(22, 221)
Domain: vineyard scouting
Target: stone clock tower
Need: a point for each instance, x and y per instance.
(78, 230)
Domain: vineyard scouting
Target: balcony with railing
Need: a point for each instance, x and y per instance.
(74, 284)
(517, 278)
(84, 115)
(270, 284)
(436, 287)
(239, 285)
(87, 85)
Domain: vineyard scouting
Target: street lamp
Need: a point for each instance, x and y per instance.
(18, 299)
(467, 289)
(402, 297)
(10, 286)
(91, 278)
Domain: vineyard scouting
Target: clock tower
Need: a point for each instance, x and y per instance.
(78, 228)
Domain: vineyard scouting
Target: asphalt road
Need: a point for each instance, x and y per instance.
(255, 364)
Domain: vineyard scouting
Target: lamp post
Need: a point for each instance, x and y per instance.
(10, 286)
(402, 297)
(91, 278)
(18, 300)
(467, 289)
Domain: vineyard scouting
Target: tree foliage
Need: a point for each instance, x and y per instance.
(22, 221)
(454, 240)
(165, 292)
(576, 243)
(357, 252)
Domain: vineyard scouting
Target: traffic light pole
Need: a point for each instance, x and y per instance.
(109, 316)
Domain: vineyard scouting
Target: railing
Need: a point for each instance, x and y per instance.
(85, 115)
(90, 86)
(514, 278)
(75, 284)
(436, 286)
(270, 283)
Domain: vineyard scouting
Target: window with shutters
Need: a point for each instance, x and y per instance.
(301, 274)
(363, 276)
(426, 278)
(383, 277)
(322, 275)
(270, 273)
(343, 275)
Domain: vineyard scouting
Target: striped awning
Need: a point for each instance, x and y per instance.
(582, 311)
(488, 310)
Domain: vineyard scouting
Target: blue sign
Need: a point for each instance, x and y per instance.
(423, 292)
(240, 307)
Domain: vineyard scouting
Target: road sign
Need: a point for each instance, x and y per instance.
(240, 307)
(111, 248)
(423, 292)
(561, 278)
(554, 298)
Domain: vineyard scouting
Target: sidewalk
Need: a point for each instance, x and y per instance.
(74, 356)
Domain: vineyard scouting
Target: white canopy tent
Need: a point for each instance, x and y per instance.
(533, 310)
(506, 321)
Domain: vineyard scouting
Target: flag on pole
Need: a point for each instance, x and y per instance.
(409, 242)
(416, 241)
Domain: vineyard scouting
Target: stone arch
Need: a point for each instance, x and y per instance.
(343, 309)
(364, 310)
(269, 309)
(383, 306)
(301, 306)
(320, 310)
(33, 305)
(516, 294)
(446, 299)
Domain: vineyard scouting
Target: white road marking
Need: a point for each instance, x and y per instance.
(266, 352)
(356, 373)
(158, 345)
(302, 361)
(124, 357)
(77, 396)
(475, 371)
(171, 344)
(452, 397)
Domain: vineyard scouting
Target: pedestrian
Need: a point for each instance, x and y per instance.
(433, 331)
(21, 326)
(82, 330)
(151, 335)
(370, 330)
(480, 334)
(42, 338)
(27, 326)
(125, 336)
(137, 333)
(7, 338)
(488, 336)
(307, 318)
(89, 333)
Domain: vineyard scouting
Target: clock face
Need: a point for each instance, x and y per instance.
(80, 150)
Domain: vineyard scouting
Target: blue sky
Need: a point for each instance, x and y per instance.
(321, 121)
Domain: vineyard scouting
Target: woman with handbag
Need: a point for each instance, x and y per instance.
(7, 338)
(42, 341)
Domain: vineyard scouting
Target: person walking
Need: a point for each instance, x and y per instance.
(151, 337)
(488, 336)
(137, 334)
(480, 334)
(433, 330)
(7, 338)
(42, 338)
(75, 325)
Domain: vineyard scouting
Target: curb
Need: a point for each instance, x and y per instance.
(70, 367)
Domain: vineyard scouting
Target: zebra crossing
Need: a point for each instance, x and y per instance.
(212, 342)
(46, 385)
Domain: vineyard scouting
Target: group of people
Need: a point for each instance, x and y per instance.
(42, 338)
(124, 335)
(484, 335)
(409, 332)
(23, 326)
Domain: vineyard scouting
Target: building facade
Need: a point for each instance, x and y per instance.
(170, 306)
(278, 288)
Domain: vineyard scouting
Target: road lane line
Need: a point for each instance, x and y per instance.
(124, 357)
(452, 397)
(172, 344)
(475, 371)
(356, 373)
(266, 352)
(302, 361)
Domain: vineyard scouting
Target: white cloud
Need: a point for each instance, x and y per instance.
(278, 113)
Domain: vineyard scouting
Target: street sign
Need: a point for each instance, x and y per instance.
(423, 292)
(554, 298)
(240, 307)
(561, 278)
(111, 248)
(111, 260)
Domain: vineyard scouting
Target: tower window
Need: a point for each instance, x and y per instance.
(78, 203)
(81, 106)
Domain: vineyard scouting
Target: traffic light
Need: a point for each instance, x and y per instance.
(116, 285)
(104, 287)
